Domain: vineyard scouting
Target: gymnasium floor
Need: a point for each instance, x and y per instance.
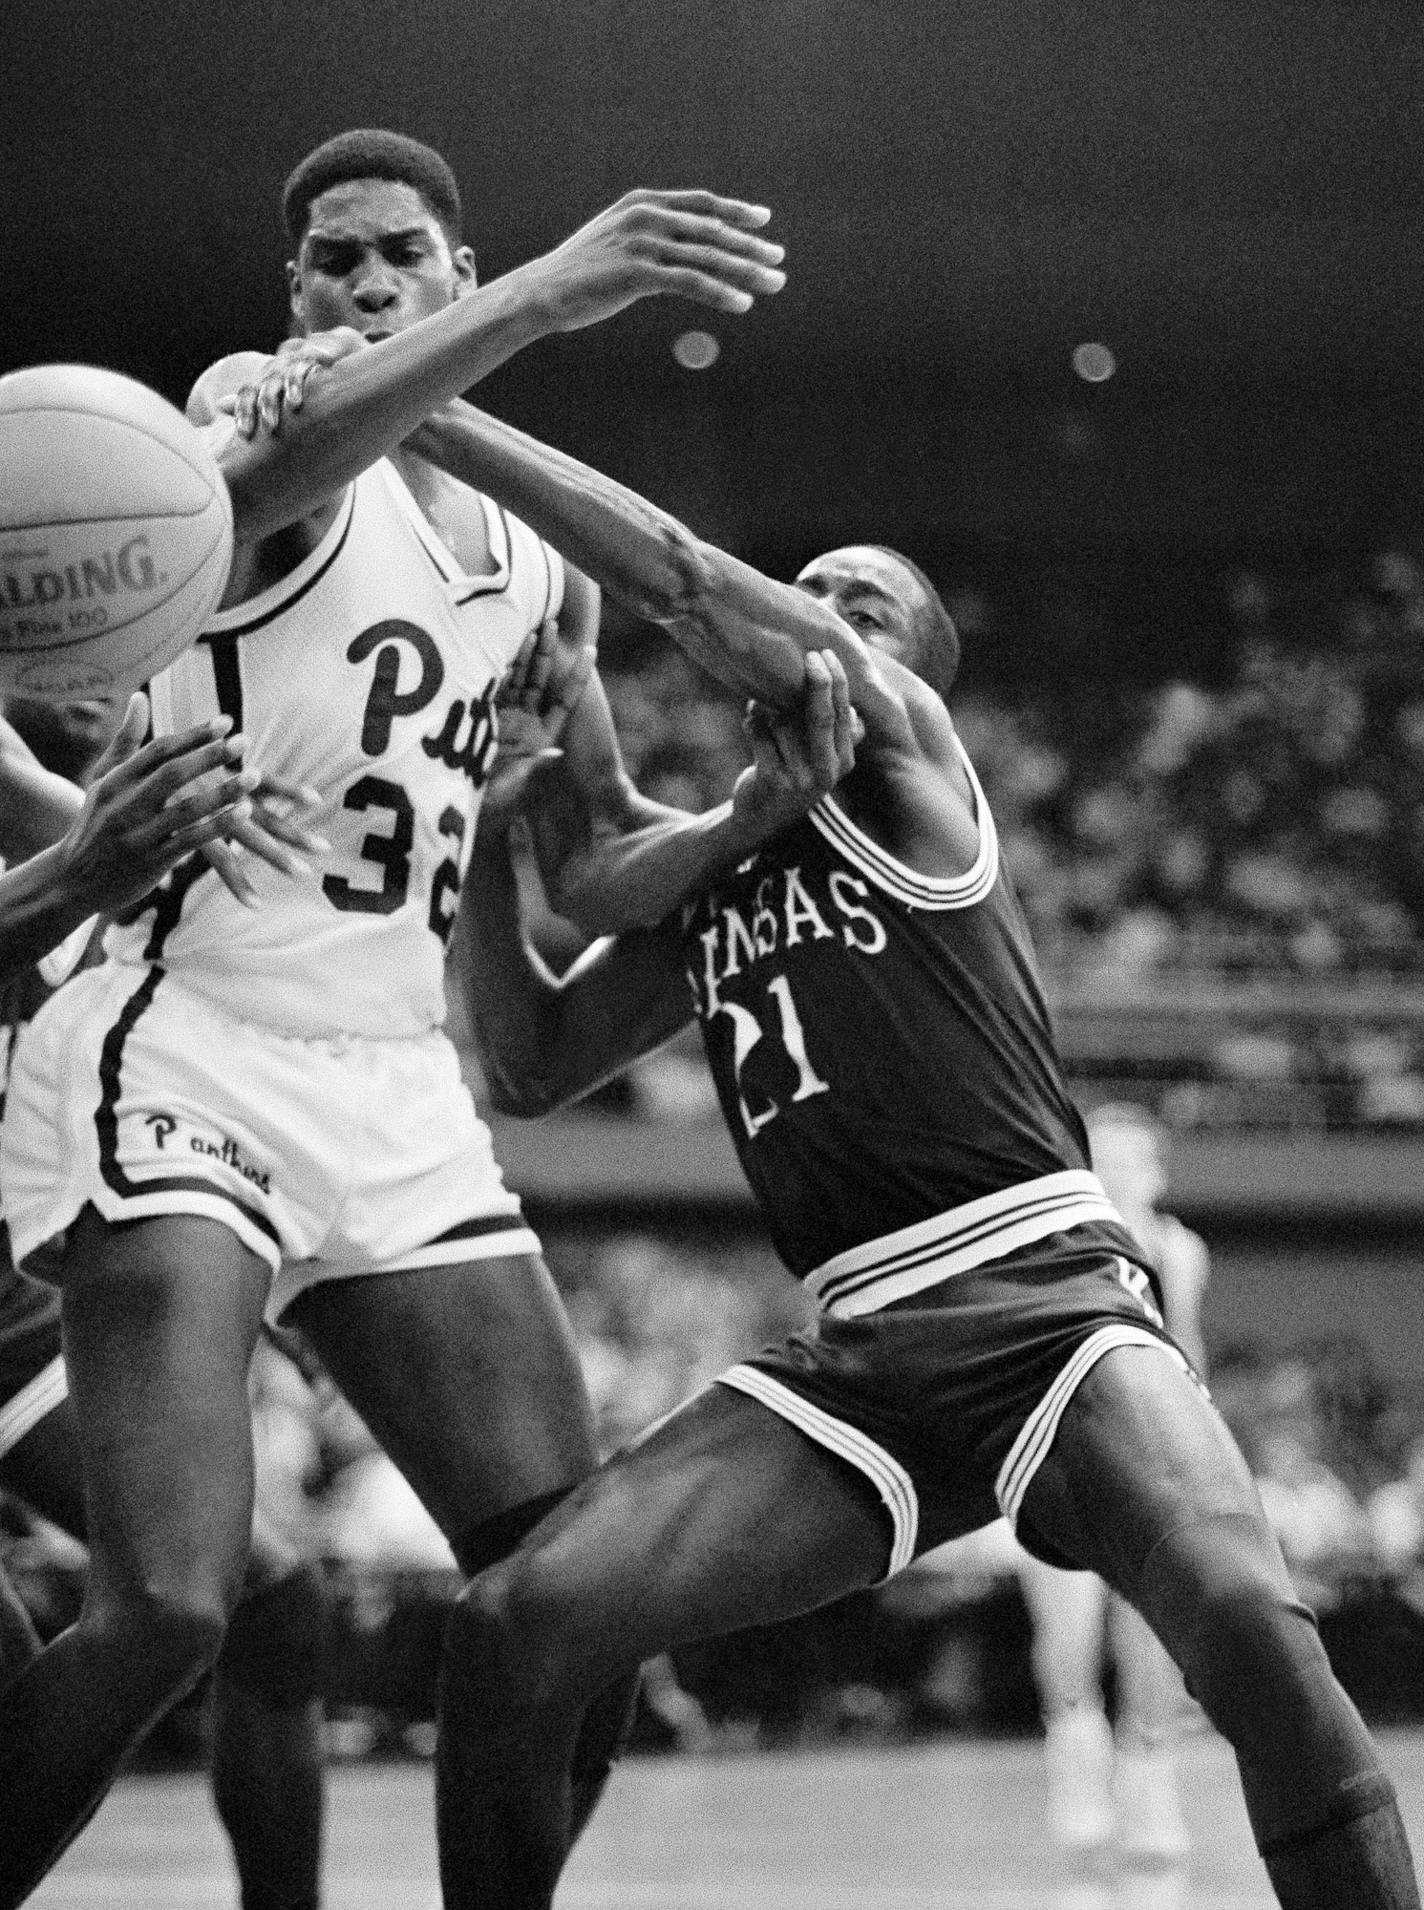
(951, 1826)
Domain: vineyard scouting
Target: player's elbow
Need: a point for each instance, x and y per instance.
(677, 581)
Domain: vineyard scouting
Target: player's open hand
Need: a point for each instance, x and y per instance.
(692, 245)
(264, 400)
(149, 807)
(799, 755)
(540, 692)
(273, 832)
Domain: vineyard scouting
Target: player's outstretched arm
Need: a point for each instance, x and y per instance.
(744, 628)
(692, 245)
(148, 810)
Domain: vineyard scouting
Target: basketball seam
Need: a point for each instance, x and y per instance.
(139, 431)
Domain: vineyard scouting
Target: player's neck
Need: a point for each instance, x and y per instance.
(451, 508)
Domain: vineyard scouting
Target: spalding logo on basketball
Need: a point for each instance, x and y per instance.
(115, 532)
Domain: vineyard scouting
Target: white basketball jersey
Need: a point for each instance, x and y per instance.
(370, 673)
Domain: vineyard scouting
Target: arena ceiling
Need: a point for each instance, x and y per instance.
(1225, 193)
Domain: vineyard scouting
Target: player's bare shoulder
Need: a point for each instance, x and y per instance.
(914, 791)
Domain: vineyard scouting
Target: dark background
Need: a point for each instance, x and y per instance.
(1225, 193)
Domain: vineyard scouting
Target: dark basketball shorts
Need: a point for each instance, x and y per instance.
(948, 1402)
(32, 1381)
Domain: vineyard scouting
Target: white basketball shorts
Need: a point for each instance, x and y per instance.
(327, 1158)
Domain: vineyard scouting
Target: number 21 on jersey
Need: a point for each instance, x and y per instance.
(747, 1031)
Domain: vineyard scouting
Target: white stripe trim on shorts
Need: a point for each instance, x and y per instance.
(872, 1275)
(22, 1413)
(293, 1277)
(886, 1474)
(1039, 1430)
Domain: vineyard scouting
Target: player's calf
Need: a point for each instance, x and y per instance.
(267, 1740)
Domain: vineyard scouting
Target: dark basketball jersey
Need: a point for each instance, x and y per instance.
(886, 1064)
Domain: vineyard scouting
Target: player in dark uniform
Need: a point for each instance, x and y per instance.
(267, 1751)
(988, 1337)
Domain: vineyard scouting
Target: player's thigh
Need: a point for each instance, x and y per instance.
(44, 1469)
(160, 1318)
(723, 1516)
(1140, 1453)
(468, 1376)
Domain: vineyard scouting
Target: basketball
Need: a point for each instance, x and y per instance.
(115, 532)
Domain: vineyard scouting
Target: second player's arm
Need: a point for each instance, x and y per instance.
(545, 1040)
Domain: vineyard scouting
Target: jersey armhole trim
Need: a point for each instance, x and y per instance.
(241, 619)
(896, 878)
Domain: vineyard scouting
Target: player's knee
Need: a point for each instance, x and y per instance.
(514, 1624)
(1248, 1644)
(173, 1633)
(275, 1646)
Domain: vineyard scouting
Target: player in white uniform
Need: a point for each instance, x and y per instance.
(248, 1112)
(1117, 1782)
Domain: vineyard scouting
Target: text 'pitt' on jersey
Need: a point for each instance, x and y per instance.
(369, 672)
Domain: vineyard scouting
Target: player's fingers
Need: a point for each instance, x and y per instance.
(708, 205)
(227, 824)
(714, 235)
(287, 829)
(230, 872)
(294, 384)
(164, 750)
(511, 690)
(541, 665)
(288, 797)
(260, 842)
(269, 397)
(702, 289)
(182, 812)
(161, 785)
(244, 411)
(725, 268)
(577, 669)
(849, 729)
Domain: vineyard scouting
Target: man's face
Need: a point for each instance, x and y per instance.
(876, 596)
(376, 258)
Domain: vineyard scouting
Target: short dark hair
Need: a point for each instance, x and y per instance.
(941, 655)
(368, 153)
